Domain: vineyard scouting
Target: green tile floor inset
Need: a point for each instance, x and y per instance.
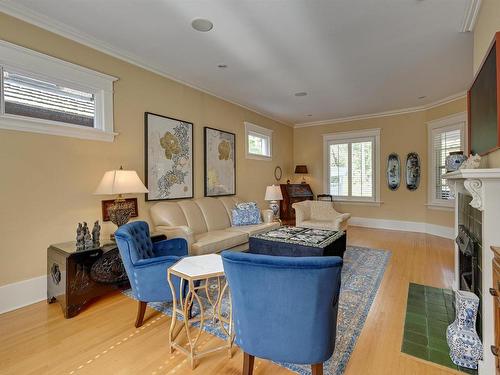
(429, 311)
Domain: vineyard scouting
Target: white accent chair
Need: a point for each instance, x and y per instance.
(319, 215)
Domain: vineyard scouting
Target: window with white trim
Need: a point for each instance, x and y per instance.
(42, 94)
(445, 136)
(352, 164)
(258, 142)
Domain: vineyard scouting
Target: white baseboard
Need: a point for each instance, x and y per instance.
(22, 293)
(407, 226)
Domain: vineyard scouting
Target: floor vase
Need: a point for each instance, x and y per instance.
(465, 345)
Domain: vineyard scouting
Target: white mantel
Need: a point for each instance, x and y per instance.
(484, 187)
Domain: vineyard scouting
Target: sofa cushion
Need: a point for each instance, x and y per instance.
(214, 213)
(216, 241)
(229, 203)
(194, 216)
(169, 214)
(255, 229)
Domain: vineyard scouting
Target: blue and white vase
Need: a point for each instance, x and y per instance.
(466, 349)
(454, 160)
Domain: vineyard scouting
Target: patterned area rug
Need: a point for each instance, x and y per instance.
(361, 276)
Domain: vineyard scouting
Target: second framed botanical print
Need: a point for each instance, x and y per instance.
(220, 162)
(169, 157)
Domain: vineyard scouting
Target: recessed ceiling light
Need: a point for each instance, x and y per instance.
(422, 97)
(302, 93)
(222, 66)
(201, 24)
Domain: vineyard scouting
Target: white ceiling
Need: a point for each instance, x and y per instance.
(352, 57)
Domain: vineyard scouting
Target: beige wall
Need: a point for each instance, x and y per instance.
(401, 134)
(47, 181)
(487, 24)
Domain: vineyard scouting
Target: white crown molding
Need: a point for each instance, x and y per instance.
(396, 112)
(470, 17)
(405, 226)
(66, 31)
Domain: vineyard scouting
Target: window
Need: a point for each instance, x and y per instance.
(445, 136)
(259, 142)
(351, 165)
(41, 94)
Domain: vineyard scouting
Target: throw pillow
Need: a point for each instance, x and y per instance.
(247, 213)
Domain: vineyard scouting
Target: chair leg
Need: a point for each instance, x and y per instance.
(141, 309)
(247, 364)
(317, 369)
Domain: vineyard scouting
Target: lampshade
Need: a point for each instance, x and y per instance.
(273, 193)
(120, 182)
(301, 169)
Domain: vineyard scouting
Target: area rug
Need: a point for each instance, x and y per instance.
(361, 276)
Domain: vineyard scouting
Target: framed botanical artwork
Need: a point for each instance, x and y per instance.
(220, 162)
(168, 157)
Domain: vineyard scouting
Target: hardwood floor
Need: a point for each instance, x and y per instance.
(103, 340)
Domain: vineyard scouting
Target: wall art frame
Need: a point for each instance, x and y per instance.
(219, 162)
(168, 157)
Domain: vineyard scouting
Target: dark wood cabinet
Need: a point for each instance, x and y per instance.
(293, 193)
(76, 277)
(495, 292)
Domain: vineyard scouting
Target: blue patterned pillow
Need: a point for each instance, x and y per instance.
(246, 214)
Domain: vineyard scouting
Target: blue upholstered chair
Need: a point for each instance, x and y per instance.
(146, 263)
(284, 308)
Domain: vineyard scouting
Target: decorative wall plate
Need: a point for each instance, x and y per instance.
(412, 171)
(393, 171)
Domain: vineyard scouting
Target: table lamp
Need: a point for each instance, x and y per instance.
(273, 195)
(119, 182)
(301, 169)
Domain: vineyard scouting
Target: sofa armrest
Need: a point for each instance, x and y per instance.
(341, 218)
(267, 215)
(180, 231)
(301, 213)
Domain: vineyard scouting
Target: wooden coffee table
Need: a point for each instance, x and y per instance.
(297, 241)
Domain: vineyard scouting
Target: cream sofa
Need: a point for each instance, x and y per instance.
(319, 215)
(205, 223)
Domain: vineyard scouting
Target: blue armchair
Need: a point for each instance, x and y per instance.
(146, 263)
(284, 308)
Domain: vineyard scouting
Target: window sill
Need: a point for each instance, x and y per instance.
(259, 157)
(60, 129)
(440, 207)
(358, 202)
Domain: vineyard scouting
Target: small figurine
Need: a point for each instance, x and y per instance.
(80, 242)
(87, 237)
(472, 162)
(96, 233)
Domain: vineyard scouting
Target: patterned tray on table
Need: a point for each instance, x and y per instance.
(301, 236)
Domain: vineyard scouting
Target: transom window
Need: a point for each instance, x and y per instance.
(42, 94)
(445, 136)
(351, 160)
(258, 142)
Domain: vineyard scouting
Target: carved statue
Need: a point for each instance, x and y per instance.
(87, 237)
(80, 235)
(96, 233)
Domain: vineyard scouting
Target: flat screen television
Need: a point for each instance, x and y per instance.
(483, 104)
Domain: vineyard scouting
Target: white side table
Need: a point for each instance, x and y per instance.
(191, 269)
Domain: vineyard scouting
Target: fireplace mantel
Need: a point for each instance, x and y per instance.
(483, 185)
